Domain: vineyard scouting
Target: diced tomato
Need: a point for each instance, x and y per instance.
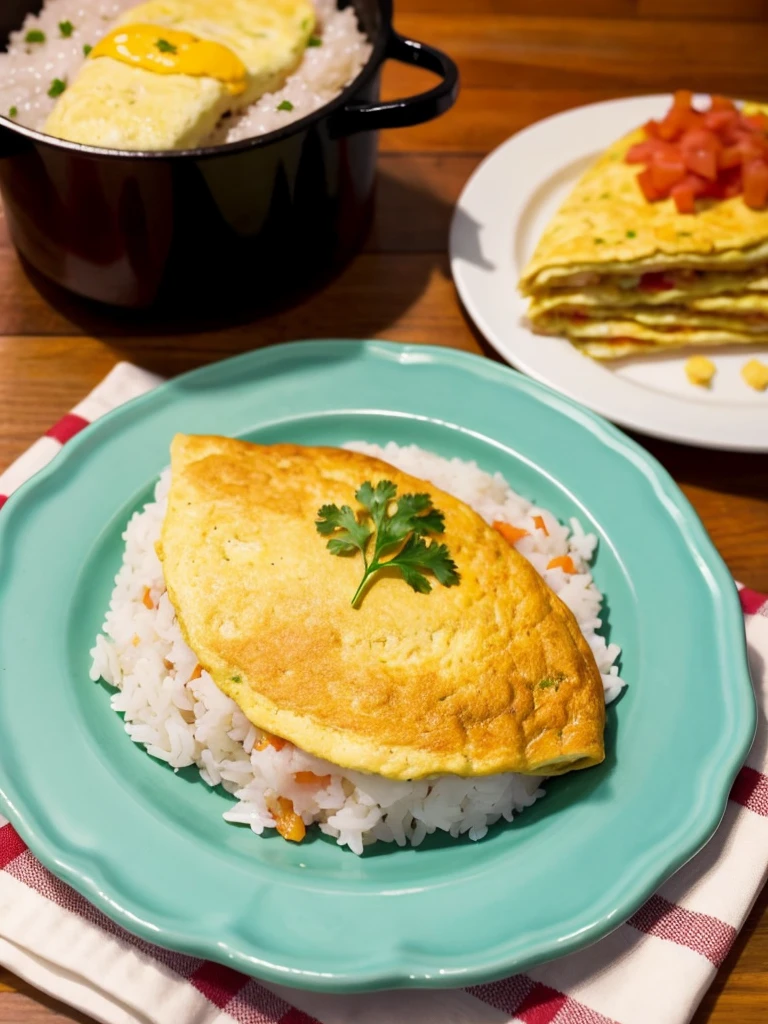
(649, 190)
(758, 121)
(721, 103)
(641, 152)
(700, 150)
(702, 162)
(655, 282)
(720, 120)
(755, 177)
(732, 182)
(651, 128)
(684, 197)
(730, 156)
(671, 127)
(691, 154)
(666, 171)
(683, 99)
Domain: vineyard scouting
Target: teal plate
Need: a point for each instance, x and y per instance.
(150, 848)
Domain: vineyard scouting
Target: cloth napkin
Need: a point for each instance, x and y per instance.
(652, 970)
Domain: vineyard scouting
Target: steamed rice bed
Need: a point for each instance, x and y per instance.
(28, 69)
(184, 720)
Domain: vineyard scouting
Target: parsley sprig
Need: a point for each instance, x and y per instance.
(405, 528)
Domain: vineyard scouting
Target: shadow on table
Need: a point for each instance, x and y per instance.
(360, 299)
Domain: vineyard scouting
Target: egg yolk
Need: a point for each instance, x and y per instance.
(700, 370)
(170, 51)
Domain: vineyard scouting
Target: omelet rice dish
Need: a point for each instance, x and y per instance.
(176, 74)
(233, 645)
(618, 275)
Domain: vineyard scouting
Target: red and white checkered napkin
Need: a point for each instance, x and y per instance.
(652, 970)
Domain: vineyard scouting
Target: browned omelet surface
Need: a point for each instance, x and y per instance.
(492, 675)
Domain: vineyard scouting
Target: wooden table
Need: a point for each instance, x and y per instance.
(520, 60)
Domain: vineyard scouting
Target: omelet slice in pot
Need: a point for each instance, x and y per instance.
(491, 675)
(147, 99)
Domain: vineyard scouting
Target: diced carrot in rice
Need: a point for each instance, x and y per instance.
(268, 740)
(310, 779)
(539, 523)
(511, 534)
(287, 821)
(564, 562)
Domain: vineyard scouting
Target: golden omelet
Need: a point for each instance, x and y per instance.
(618, 275)
(606, 229)
(492, 675)
(165, 76)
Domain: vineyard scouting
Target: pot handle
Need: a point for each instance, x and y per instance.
(366, 117)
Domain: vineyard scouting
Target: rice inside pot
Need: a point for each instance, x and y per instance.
(28, 69)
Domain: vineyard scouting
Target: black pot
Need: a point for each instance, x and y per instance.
(247, 220)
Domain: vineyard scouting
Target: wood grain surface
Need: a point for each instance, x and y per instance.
(520, 60)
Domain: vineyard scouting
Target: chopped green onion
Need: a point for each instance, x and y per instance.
(87, 49)
(13, 111)
(165, 47)
(34, 36)
(285, 105)
(57, 88)
(631, 234)
(314, 41)
(66, 28)
(599, 241)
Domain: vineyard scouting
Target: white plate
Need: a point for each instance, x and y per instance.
(500, 216)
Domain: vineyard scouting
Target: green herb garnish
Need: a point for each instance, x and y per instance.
(66, 28)
(285, 105)
(57, 88)
(404, 528)
(34, 36)
(165, 47)
(631, 234)
(87, 49)
(599, 241)
(13, 112)
(235, 679)
(314, 41)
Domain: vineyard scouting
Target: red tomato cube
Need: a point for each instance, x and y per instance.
(666, 171)
(721, 103)
(649, 190)
(755, 176)
(685, 200)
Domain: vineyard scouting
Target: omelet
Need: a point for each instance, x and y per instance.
(169, 71)
(491, 675)
(619, 275)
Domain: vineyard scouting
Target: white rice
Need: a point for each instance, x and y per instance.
(28, 69)
(187, 721)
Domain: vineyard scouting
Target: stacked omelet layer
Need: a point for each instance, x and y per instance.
(620, 276)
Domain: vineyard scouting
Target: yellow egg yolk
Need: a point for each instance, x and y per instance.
(700, 370)
(755, 374)
(170, 51)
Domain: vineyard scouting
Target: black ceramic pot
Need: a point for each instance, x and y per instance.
(220, 224)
